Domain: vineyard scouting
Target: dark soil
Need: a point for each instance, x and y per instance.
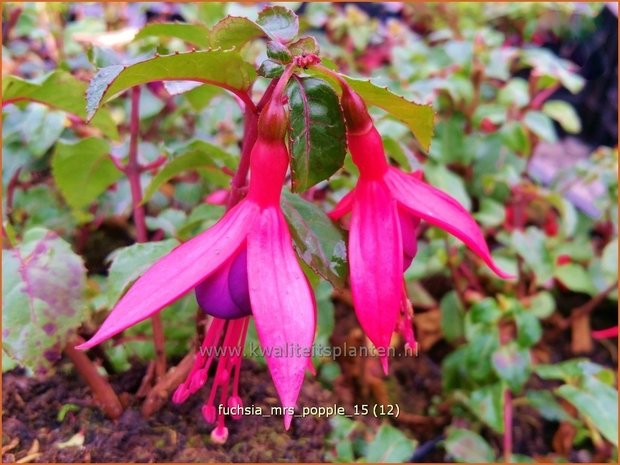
(174, 434)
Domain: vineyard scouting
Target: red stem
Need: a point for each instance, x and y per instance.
(102, 391)
(507, 425)
(132, 171)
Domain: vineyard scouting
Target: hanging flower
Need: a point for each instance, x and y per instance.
(243, 265)
(386, 206)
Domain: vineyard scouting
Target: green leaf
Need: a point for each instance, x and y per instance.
(221, 68)
(441, 177)
(452, 316)
(194, 34)
(545, 403)
(575, 277)
(390, 446)
(61, 91)
(317, 132)
(468, 447)
(129, 263)
(563, 113)
(487, 403)
(270, 69)
(83, 170)
(515, 137)
(199, 156)
(532, 247)
(541, 125)
(512, 364)
(609, 260)
(419, 118)
(319, 243)
(514, 93)
(304, 46)
(43, 289)
(278, 52)
(235, 32)
(529, 330)
(281, 23)
(492, 213)
(542, 304)
(596, 401)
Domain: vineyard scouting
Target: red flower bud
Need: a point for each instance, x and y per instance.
(272, 123)
(355, 112)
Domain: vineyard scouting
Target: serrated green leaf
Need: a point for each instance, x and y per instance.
(43, 285)
(563, 113)
(419, 118)
(278, 52)
(316, 132)
(270, 69)
(304, 46)
(279, 22)
(234, 31)
(83, 170)
(224, 68)
(129, 263)
(320, 244)
(61, 91)
(390, 446)
(468, 447)
(194, 34)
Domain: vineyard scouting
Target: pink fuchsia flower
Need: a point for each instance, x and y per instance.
(243, 265)
(386, 206)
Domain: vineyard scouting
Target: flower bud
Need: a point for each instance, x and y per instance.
(355, 112)
(272, 123)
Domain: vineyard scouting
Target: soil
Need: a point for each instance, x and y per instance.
(174, 434)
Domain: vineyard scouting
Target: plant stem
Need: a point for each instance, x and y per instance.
(102, 391)
(507, 425)
(133, 170)
(239, 180)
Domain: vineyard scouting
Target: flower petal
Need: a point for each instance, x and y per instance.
(376, 261)
(440, 209)
(178, 272)
(282, 303)
(343, 206)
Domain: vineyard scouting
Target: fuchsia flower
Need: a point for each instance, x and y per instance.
(386, 206)
(243, 265)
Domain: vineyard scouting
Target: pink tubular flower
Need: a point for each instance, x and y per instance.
(386, 206)
(243, 265)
